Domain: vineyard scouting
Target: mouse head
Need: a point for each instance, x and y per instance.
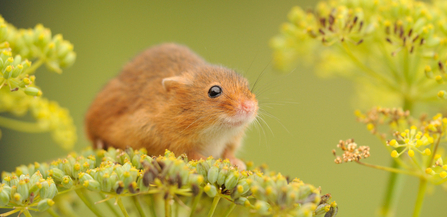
(217, 93)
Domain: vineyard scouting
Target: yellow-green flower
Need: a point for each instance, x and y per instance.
(395, 49)
(411, 140)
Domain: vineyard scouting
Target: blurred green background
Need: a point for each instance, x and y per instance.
(314, 114)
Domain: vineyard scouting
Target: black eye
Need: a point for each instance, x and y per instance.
(214, 91)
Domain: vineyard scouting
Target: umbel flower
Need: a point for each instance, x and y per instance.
(394, 49)
(22, 51)
(171, 182)
(414, 143)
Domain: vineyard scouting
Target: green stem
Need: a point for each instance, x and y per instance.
(20, 125)
(214, 205)
(27, 214)
(52, 212)
(420, 198)
(434, 151)
(367, 70)
(392, 192)
(137, 203)
(88, 202)
(121, 205)
(152, 206)
(195, 202)
(168, 206)
(395, 180)
(391, 169)
(110, 205)
(65, 207)
(233, 205)
(10, 212)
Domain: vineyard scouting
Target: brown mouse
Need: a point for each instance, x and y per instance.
(168, 97)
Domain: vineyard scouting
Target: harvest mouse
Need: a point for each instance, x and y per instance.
(168, 97)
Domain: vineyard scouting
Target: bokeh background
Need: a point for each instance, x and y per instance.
(313, 113)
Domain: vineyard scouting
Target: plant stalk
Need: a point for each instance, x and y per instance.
(233, 205)
(52, 212)
(168, 206)
(121, 205)
(88, 202)
(420, 197)
(26, 212)
(390, 169)
(137, 203)
(195, 202)
(214, 205)
(152, 206)
(20, 125)
(110, 205)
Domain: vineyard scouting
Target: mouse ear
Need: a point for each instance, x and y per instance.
(175, 81)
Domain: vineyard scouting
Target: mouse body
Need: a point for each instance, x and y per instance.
(168, 97)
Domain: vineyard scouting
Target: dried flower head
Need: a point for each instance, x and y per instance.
(350, 152)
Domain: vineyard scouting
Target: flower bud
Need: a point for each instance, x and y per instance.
(210, 190)
(56, 174)
(7, 72)
(241, 201)
(63, 49)
(106, 184)
(4, 197)
(322, 209)
(23, 189)
(222, 176)
(32, 91)
(49, 189)
(84, 177)
(442, 94)
(14, 181)
(67, 182)
(45, 204)
(231, 180)
(92, 185)
(262, 207)
(118, 187)
(201, 170)
(212, 174)
(35, 188)
(17, 71)
(17, 198)
(136, 161)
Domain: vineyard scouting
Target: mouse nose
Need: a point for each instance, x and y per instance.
(248, 105)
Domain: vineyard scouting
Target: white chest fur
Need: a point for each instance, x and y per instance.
(215, 140)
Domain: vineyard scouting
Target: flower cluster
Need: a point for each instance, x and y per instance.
(411, 140)
(395, 47)
(18, 92)
(378, 118)
(19, 45)
(421, 142)
(350, 152)
(130, 173)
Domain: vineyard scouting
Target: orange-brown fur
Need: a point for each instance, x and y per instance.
(138, 109)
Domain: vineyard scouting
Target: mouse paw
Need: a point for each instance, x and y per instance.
(238, 163)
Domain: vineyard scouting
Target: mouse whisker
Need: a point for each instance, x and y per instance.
(268, 114)
(262, 119)
(260, 75)
(262, 129)
(191, 124)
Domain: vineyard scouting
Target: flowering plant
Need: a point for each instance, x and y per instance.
(167, 185)
(395, 51)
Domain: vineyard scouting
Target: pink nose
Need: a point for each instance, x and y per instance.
(248, 106)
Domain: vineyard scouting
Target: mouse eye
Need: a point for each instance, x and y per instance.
(214, 91)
